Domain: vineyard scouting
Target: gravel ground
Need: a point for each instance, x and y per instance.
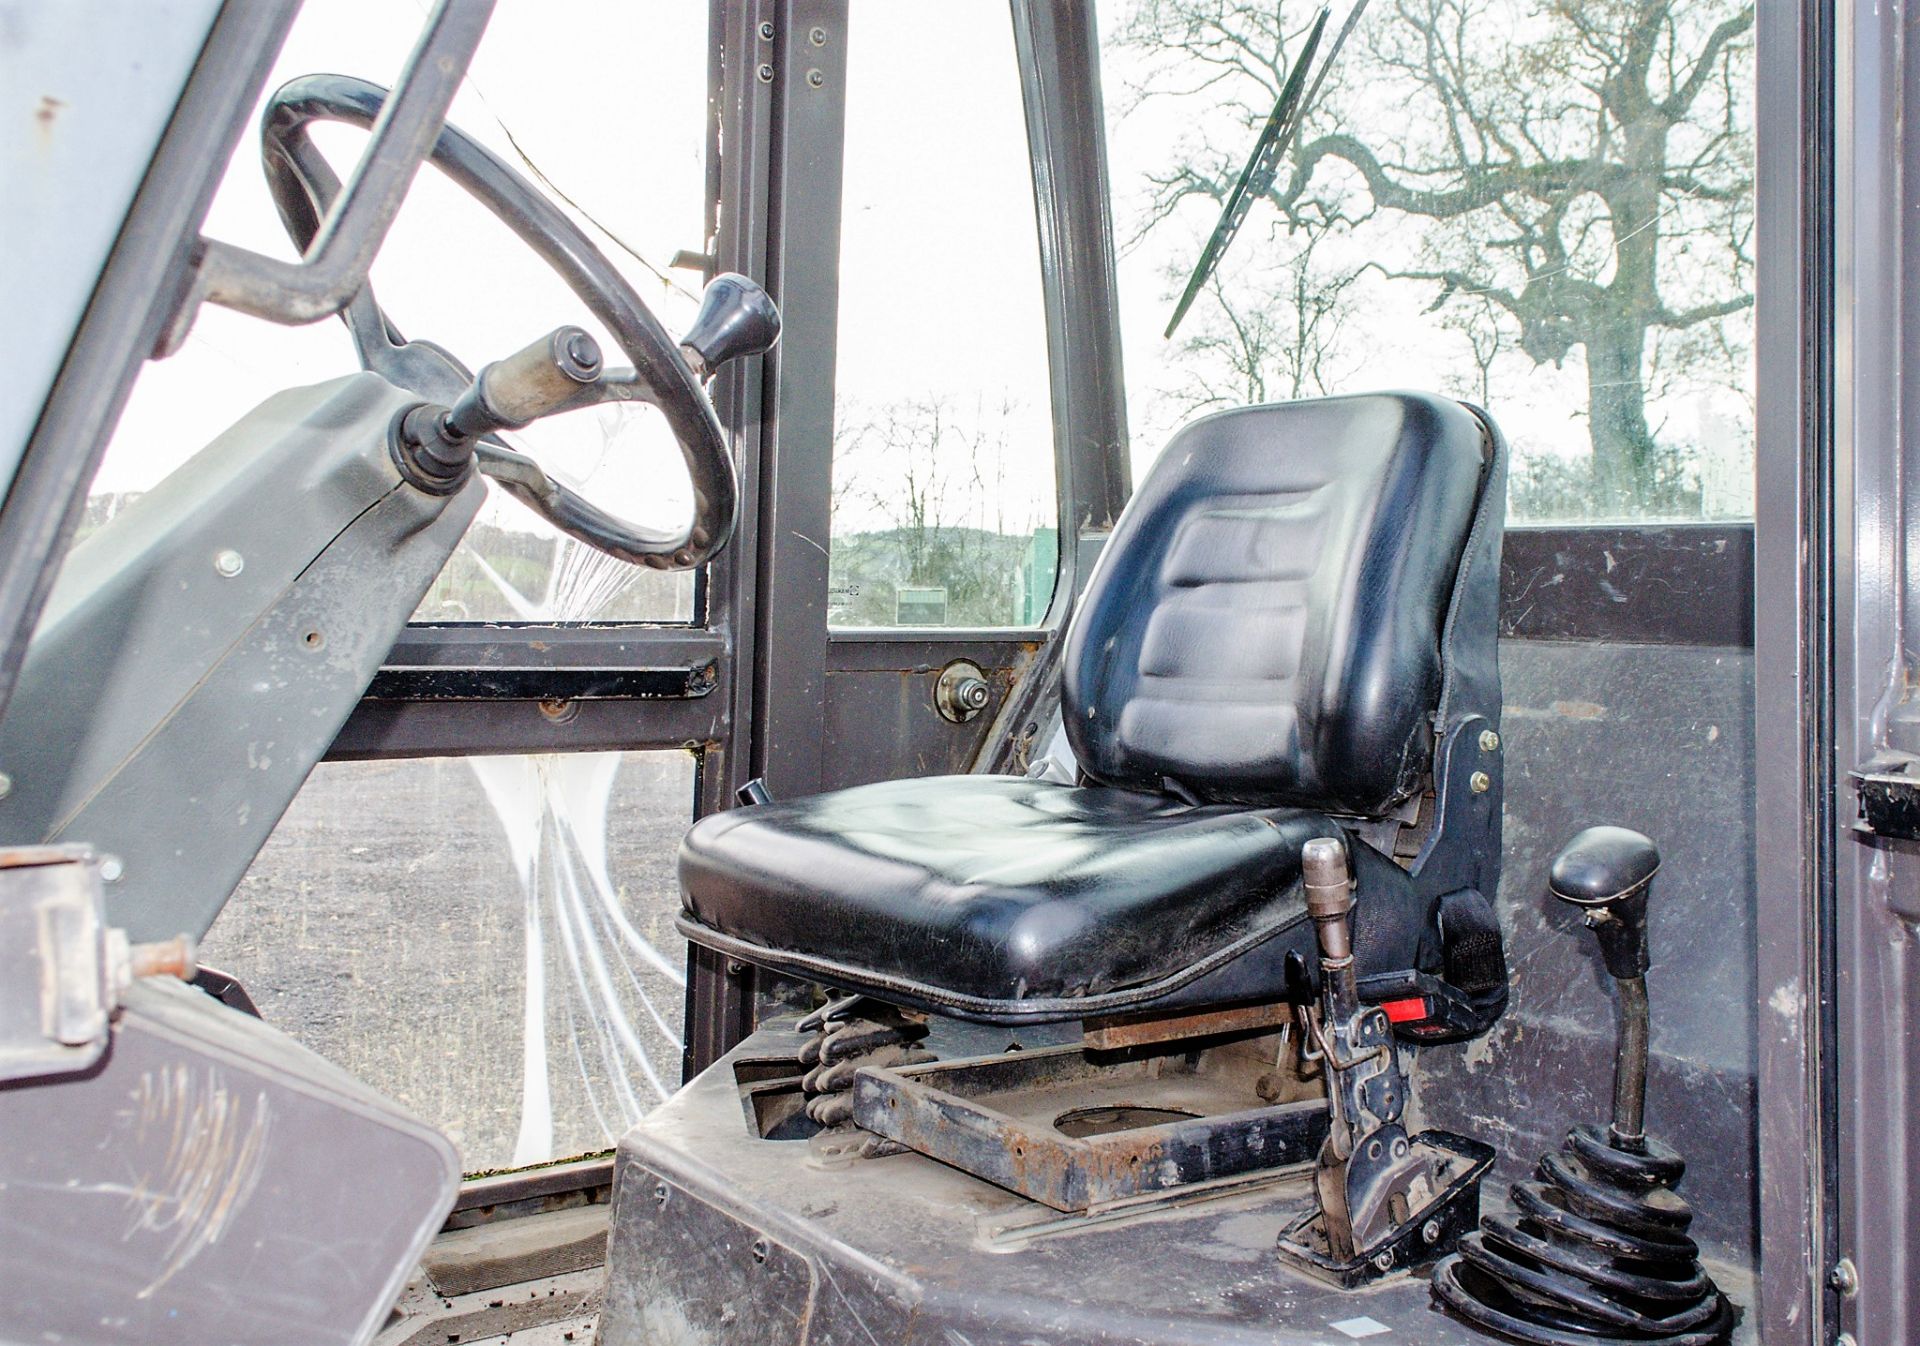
(385, 926)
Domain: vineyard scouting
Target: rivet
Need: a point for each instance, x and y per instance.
(766, 74)
(766, 32)
(760, 1250)
(1480, 782)
(111, 869)
(229, 562)
(660, 1194)
(1430, 1231)
(1383, 1262)
(818, 37)
(1489, 741)
(815, 79)
(1844, 1279)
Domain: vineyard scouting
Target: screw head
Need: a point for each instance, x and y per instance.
(1383, 1262)
(815, 79)
(660, 1194)
(111, 870)
(584, 353)
(1430, 1231)
(227, 562)
(1489, 741)
(1480, 782)
(766, 74)
(760, 1250)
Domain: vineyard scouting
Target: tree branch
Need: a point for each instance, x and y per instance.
(1676, 105)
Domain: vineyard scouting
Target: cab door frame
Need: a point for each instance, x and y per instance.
(813, 708)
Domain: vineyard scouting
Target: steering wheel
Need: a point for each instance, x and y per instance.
(736, 319)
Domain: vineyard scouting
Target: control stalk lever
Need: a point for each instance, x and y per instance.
(737, 318)
(435, 444)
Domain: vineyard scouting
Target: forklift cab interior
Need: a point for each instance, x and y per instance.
(1389, 874)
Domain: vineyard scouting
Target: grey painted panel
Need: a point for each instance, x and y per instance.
(87, 87)
(202, 650)
(881, 722)
(210, 1181)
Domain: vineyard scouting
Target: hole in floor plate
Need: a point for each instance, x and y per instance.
(1104, 1121)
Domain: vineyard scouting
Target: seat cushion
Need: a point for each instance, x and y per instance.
(984, 895)
(1264, 626)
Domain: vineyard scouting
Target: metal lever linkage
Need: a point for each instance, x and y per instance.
(1599, 1254)
(1387, 1200)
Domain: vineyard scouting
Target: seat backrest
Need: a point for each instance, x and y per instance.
(1266, 622)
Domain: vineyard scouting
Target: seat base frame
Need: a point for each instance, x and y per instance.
(995, 1117)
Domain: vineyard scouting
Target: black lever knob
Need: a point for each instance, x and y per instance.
(736, 318)
(1607, 871)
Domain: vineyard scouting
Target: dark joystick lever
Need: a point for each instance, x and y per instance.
(1598, 1249)
(1608, 872)
(736, 318)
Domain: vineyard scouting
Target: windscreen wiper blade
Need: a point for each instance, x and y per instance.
(1256, 179)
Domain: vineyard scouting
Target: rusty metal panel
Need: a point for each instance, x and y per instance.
(978, 1114)
(1139, 1030)
(882, 722)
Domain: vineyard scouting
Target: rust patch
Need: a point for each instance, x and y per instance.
(1138, 1030)
(47, 113)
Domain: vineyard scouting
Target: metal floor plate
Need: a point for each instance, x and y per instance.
(721, 1237)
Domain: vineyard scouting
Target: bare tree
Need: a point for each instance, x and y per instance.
(1272, 337)
(1582, 166)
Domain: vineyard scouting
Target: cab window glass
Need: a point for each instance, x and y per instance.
(1546, 209)
(510, 973)
(943, 479)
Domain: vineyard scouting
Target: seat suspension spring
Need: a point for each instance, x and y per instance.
(849, 1033)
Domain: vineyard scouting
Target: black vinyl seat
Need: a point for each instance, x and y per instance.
(1288, 636)
(977, 891)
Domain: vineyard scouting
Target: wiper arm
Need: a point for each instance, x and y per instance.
(1256, 179)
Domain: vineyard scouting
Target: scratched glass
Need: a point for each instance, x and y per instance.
(510, 972)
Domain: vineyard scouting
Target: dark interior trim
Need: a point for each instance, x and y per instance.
(1634, 584)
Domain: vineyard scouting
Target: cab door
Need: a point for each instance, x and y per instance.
(941, 438)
